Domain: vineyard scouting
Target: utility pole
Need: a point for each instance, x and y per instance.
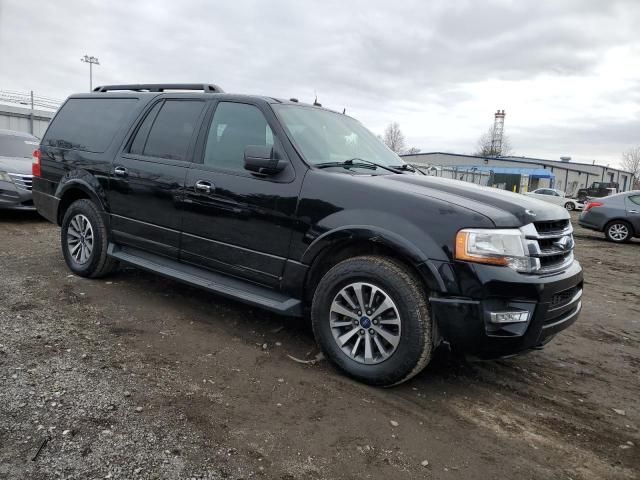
(31, 115)
(91, 61)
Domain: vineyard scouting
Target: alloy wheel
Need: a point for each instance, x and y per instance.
(619, 232)
(365, 323)
(80, 238)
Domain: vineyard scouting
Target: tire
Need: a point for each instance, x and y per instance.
(570, 206)
(86, 257)
(412, 334)
(615, 231)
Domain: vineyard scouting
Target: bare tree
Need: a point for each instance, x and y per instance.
(631, 163)
(486, 149)
(394, 138)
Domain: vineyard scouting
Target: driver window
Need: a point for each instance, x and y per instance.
(235, 126)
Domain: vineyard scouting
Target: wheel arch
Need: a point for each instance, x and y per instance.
(75, 189)
(333, 247)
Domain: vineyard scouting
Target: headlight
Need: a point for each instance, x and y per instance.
(4, 177)
(504, 247)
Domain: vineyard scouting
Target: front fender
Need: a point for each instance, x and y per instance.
(428, 269)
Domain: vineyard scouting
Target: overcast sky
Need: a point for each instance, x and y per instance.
(566, 72)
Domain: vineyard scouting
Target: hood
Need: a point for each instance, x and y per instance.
(20, 165)
(505, 209)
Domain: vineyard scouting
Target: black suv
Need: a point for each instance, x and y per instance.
(298, 209)
(597, 189)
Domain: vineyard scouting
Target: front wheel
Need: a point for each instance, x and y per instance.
(370, 317)
(570, 206)
(618, 231)
(84, 240)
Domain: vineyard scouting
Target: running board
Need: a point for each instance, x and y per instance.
(214, 282)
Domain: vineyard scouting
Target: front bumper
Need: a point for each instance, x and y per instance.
(554, 303)
(15, 198)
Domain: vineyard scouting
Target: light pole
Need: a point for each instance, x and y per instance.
(91, 61)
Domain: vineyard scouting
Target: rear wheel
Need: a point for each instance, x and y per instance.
(84, 240)
(618, 231)
(370, 317)
(570, 206)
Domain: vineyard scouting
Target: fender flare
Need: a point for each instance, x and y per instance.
(387, 238)
(84, 182)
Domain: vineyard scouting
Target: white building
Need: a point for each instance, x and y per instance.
(534, 172)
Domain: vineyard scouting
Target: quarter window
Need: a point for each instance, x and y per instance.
(172, 130)
(88, 124)
(235, 126)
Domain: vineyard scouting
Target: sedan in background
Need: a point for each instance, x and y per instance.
(557, 197)
(618, 216)
(16, 152)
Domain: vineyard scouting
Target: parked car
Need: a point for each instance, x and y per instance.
(301, 210)
(597, 189)
(618, 216)
(16, 150)
(556, 197)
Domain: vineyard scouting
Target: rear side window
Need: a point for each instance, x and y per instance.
(635, 199)
(172, 129)
(137, 146)
(88, 124)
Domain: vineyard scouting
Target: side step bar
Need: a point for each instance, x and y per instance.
(214, 282)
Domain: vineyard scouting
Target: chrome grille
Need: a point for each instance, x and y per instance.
(22, 181)
(551, 243)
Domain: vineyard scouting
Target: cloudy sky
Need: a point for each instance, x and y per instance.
(566, 72)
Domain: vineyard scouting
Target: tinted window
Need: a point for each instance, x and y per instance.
(88, 124)
(635, 199)
(544, 191)
(233, 127)
(173, 129)
(137, 146)
(14, 146)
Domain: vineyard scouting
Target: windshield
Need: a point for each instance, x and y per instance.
(13, 146)
(323, 136)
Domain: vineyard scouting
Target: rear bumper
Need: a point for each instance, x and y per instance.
(554, 303)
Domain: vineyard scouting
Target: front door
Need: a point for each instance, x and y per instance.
(235, 221)
(147, 179)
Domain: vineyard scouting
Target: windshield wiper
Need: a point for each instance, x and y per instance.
(407, 168)
(357, 162)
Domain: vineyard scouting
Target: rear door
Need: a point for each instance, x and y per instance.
(632, 205)
(235, 221)
(147, 178)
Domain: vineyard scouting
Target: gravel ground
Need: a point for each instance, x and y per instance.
(135, 376)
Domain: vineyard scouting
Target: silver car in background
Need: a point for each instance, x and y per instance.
(16, 150)
(618, 216)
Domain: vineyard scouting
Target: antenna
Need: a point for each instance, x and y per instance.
(496, 134)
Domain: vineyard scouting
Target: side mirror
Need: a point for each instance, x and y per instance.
(263, 160)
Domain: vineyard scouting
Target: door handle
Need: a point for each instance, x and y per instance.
(633, 211)
(120, 171)
(202, 186)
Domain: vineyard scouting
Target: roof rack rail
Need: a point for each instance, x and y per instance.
(161, 87)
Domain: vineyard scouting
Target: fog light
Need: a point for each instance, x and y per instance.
(509, 317)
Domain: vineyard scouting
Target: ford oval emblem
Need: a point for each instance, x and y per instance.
(530, 212)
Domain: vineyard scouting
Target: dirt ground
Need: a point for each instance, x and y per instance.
(135, 376)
